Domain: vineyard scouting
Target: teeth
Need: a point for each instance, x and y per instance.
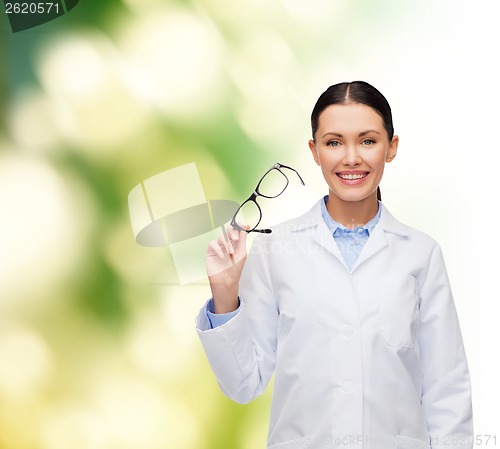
(353, 176)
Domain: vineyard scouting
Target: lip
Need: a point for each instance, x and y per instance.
(353, 182)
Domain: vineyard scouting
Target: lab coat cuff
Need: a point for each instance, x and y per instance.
(219, 319)
(227, 345)
(207, 319)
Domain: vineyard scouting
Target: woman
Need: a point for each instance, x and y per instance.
(350, 308)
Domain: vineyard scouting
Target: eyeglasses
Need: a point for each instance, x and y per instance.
(271, 185)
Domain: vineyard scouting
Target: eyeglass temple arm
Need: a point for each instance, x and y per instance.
(239, 228)
(278, 165)
(263, 231)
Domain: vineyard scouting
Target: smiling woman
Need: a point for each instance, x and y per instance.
(351, 144)
(360, 94)
(350, 308)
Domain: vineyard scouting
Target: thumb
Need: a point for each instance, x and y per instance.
(240, 244)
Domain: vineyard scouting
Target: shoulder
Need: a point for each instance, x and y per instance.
(415, 237)
(291, 229)
(309, 219)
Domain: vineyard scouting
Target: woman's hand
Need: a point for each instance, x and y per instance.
(224, 262)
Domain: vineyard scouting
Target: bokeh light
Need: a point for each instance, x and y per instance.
(179, 58)
(41, 230)
(26, 363)
(83, 75)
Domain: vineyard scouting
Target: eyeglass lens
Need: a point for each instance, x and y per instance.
(272, 184)
(248, 215)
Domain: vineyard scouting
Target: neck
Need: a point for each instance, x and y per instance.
(352, 213)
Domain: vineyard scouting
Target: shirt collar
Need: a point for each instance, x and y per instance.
(334, 225)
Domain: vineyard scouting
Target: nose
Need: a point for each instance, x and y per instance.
(351, 156)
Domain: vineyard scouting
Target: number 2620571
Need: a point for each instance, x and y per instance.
(31, 8)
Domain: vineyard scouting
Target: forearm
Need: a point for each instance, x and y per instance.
(225, 298)
(241, 368)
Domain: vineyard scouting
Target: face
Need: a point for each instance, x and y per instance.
(352, 146)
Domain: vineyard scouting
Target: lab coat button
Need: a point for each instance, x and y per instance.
(348, 332)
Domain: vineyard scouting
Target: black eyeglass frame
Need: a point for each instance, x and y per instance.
(256, 193)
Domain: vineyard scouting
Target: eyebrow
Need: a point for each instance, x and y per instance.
(361, 134)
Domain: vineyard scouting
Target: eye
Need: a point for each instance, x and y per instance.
(368, 142)
(333, 143)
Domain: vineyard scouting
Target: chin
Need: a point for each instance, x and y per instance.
(350, 196)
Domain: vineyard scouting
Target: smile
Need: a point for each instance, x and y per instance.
(352, 176)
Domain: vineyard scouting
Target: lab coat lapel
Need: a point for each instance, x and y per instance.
(323, 238)
(378, 238)
(375, 243)
(312, 225)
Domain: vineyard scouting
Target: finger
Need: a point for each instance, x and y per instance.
(233, 234)
(235, 239)
(225, 245)
(229, 243)
(241, 246)
(216, 248)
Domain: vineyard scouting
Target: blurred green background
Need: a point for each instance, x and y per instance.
(97, 342)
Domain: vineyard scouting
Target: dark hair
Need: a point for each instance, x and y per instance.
(354, 92)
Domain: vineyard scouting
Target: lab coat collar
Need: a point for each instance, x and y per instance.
(312, 218)
(312, 224)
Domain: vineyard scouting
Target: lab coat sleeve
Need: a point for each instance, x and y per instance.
(241, 352)
(218, 319)
(446, 391)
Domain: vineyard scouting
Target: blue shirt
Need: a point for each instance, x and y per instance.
(349, 241)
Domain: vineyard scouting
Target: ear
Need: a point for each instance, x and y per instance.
(393, 149)
(312, 147)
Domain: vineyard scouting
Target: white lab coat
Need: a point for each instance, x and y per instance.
(371, 358)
